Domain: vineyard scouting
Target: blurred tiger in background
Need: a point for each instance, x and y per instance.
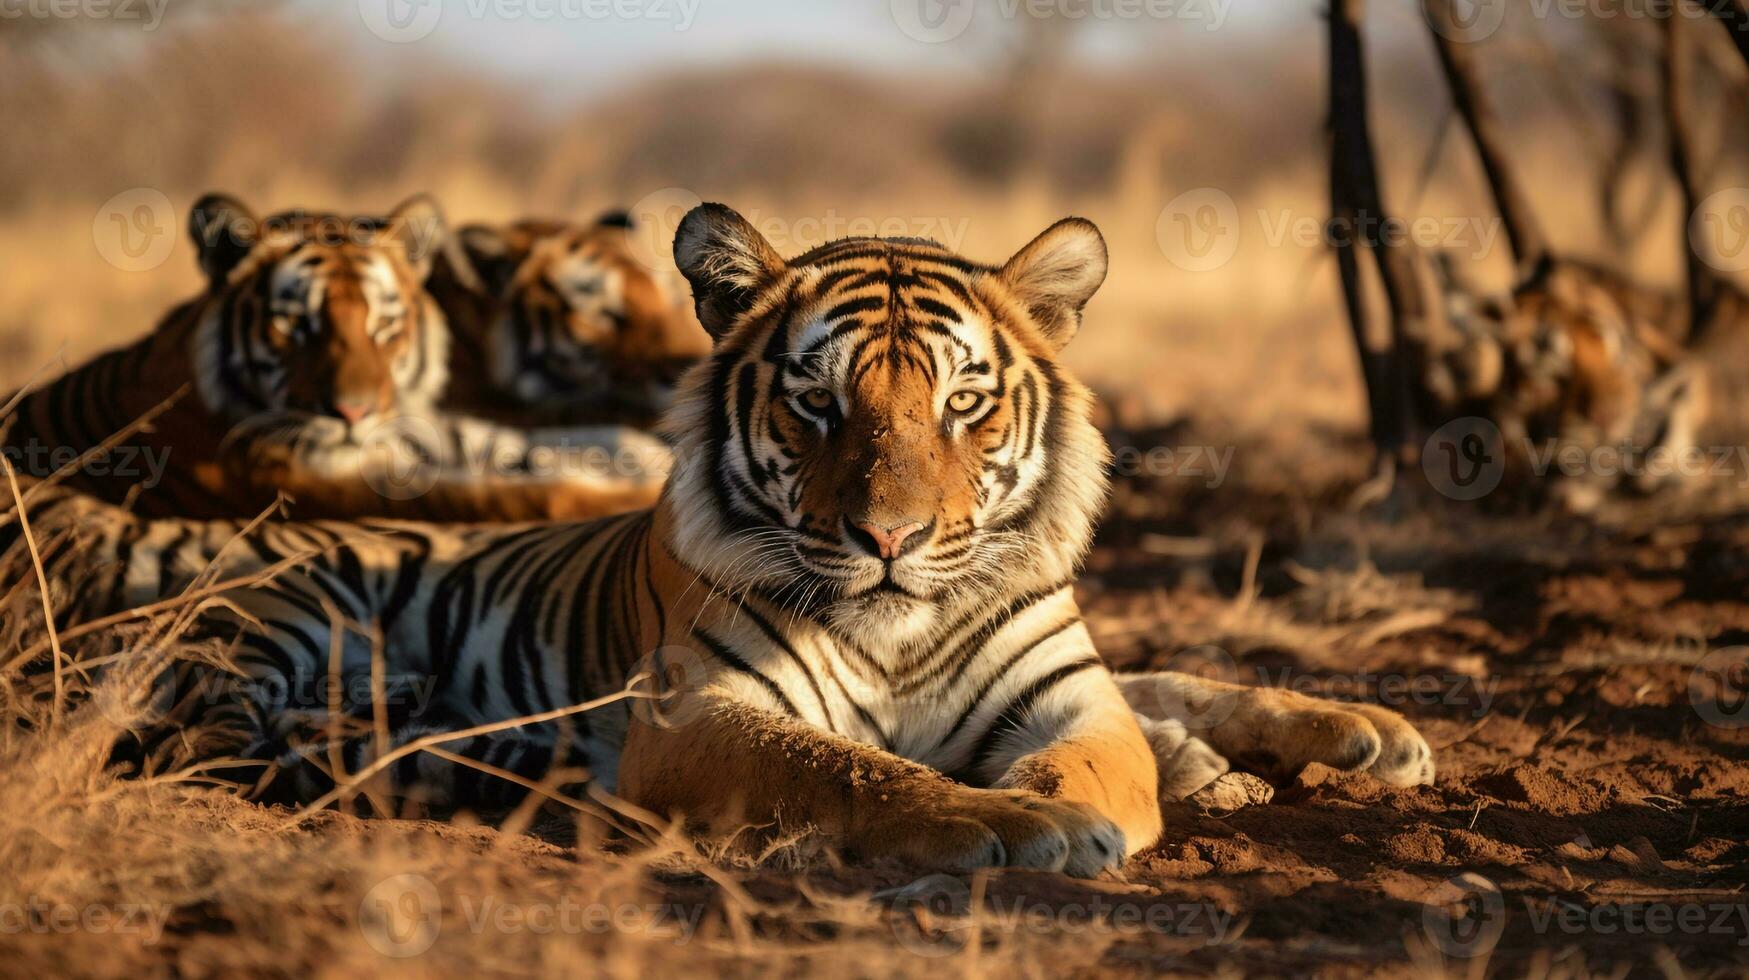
(571, 325)
(852, 611)
(1575, 358)
(303, 312)
(311, 365)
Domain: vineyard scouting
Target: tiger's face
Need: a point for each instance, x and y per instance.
(319, 314)
(883, 435)
(577, 320)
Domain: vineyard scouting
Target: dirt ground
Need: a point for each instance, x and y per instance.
(1590, 775)
(1589, 815)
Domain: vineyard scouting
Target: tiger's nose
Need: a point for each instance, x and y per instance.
(887, 541)
(353, 410)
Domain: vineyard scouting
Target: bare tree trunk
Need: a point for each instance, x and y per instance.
(1701, 286)
(1530, 247)
(1358, 216)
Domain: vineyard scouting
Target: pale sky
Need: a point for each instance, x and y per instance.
(595, 41)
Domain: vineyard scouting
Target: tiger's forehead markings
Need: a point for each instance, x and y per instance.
(303, 280)
(902, 288)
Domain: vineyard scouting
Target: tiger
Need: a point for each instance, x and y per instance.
(569, 324)
(1575, 357)
(306, 312)
(852, 610)
(315, 344)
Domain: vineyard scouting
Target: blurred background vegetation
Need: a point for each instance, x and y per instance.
(829, 111)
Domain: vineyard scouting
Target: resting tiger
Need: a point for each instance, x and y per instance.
(568, 325)
(863, 564)
(317, 339)
(1574, 358)
(308, 312)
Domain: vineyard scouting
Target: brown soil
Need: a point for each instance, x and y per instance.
(1589, 815)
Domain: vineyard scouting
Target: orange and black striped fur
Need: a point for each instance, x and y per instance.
(1576, 356)
(855, 595)
(570, 324)
(309, 313)
(312, 366)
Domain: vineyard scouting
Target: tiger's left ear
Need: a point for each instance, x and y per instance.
(418, 227)
(1056, 274)
(726, 260)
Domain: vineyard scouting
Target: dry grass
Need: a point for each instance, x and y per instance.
(172, 872)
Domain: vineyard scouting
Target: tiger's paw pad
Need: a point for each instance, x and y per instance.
(1006, 829)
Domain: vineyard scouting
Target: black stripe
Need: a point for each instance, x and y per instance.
(729, 657)
(1010, 720)
(999, 673)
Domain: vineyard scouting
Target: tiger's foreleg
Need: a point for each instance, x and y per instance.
(732, 765)
(1086, 747)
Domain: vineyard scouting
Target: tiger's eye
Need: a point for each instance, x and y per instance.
(817, 399)
(964, 402)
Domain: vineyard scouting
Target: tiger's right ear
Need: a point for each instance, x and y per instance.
(224, 230)
(726, 260)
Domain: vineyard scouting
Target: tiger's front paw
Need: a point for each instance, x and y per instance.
(988, 828)
(1285, 731)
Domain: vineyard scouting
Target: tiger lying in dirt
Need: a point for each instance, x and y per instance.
(862, 569)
